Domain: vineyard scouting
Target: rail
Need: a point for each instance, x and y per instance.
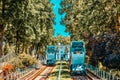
(37, 73)
(44, 75)
(26, 76)
(102, 74)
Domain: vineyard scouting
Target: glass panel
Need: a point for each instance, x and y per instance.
(77, 52)
(51, 50)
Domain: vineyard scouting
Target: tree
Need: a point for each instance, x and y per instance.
(27, 22)
(91, 19)
(43, 26)
(3, 10)
(18, 18)
(89, 16)
(62, 39)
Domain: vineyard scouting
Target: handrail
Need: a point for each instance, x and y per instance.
(16, 75)
(102, 74)
(7, 57)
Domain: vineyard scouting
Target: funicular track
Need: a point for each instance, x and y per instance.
(92, 75)
(33, 74)
(40, 74)
(28, 75)
(44, 75)
(81, 78)
(89, 76)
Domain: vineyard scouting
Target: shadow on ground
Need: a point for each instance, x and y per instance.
(66, 74)
(65, 67)
(62, 64)
(55, 73)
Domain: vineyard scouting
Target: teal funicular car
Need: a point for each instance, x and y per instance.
(77, 57)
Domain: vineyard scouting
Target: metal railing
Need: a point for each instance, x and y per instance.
(102, 74)
(17, 75)
(7, 57)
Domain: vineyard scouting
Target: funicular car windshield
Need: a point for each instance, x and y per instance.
(77, 44)
(51, 50)
(77, 51)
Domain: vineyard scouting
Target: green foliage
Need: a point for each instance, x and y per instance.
(27, 60)
(61, 39)
(90, 20)
(91, 17)
(17, 63)
(23, 60)
(29, 23)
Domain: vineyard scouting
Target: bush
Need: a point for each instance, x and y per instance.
(7, 68)
(23, 60)
(27, 60)
(17, 63)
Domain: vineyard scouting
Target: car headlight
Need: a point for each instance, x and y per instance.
(81, 67)
(73, 69)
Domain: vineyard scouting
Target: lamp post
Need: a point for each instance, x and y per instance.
(59, 46)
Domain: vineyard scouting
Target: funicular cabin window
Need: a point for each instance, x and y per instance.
(77, 44)
(81, 46)
(74, 46)
(61, 51)
(80, 49)
(77, 52)
(51, 50)
(60, 47)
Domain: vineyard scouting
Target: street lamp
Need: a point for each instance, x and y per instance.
(59, 43)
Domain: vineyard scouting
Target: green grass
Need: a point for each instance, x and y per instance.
(54, 73)
(65, 73)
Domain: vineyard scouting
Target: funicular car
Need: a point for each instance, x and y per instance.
(50, 55)
(77, 57)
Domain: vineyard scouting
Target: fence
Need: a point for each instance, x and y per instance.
(102, 74)
(6, 58)
(16, 75)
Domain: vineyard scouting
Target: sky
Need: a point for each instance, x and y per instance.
(58, 28)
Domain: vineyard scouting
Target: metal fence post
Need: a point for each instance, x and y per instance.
(112, 77)
(109, 76)
(117, 78)
(103, 74)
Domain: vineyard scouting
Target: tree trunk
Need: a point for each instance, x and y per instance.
(25, 48)
(30, 50)
(2, 27)
(17, 43)
(1, 52)
(1, 40)
(37, 51)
